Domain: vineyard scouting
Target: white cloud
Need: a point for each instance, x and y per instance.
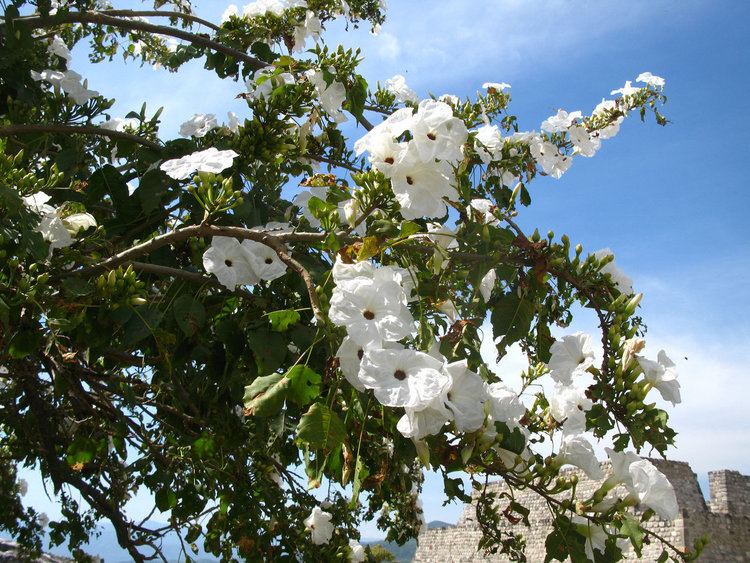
(388, 46)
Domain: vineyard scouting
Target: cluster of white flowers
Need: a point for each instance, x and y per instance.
(57, 229)
(570, 358)
(68, 81)
(419, 170)
(246, 263)
(371, 303)
(210, 160)
(397, 86)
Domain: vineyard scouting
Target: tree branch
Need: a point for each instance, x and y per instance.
(26, 128)
(161, 13)
(101, 18)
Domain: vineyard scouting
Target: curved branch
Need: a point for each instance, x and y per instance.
(25, 128)
(161, 13)
(275, 242)
(100, 18)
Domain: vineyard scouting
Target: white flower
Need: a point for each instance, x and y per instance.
(427, 421)
(58, 47)
(549, 158)
(398, 87)
(331, 96)
(210, 160)
(386, 154)
(504, 404)
(403, 378)
(662, 375)
(596, 536)
(627, 90)
(436, 133)
(198, 125)
(585, 144)
(483, 211)
(23, 487)
(631, 347)
(561, 121)
(265, 81)
(319, 525)
(577, 450)
(43, 520)
(621, 462)
(450, 99)
(466, 396)
(604, 108)
(302, 201)
(488, 284)
(276, 7)
(393, 126)
(443, 237)
(53, 230)
(572, 355)
(233, 123)
(311, 27)
(231, 11)
(651, 80)
(229, 262)
(488, 143)
(120, 124)
(623, 283)
(77, 222)
(263, 260)
(372, 310)
(343, 271)
(448, 308)
(496, 86)
(420, 186)
(38, 203)
(569, 406)
(653, 489)
(357, 554)
(69, 82)
(350, 356)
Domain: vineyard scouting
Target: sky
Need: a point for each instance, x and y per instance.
(672, 203)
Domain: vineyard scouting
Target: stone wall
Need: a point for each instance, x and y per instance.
(726, 519)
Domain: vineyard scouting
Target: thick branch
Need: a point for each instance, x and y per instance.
(100, 18)
(25, 128)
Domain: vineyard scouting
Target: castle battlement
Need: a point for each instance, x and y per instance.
(725, 519)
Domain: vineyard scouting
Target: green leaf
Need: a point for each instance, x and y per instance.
(408, 228)
(304, 385)
(189, 314)
(511, 318)
(265, 396)
(77, 287)
(24, 343)
(141, 325)
(361, 472)
(370, 248)
(165, 498)
(269, 348)
(356, 96)
(204, 446)
(321, 428)
(564, 541)
(282, 320)
(153, 187)
(632, 530)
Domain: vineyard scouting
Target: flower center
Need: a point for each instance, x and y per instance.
(369, 315)
(431, 136)
(228, 263)
(399, 374)
(389, 160)
(360, 353)
(269, 260)
(410, 180)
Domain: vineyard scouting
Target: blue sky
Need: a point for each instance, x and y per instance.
(671, 202)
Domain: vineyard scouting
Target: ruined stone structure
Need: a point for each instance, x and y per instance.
(725, 519)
